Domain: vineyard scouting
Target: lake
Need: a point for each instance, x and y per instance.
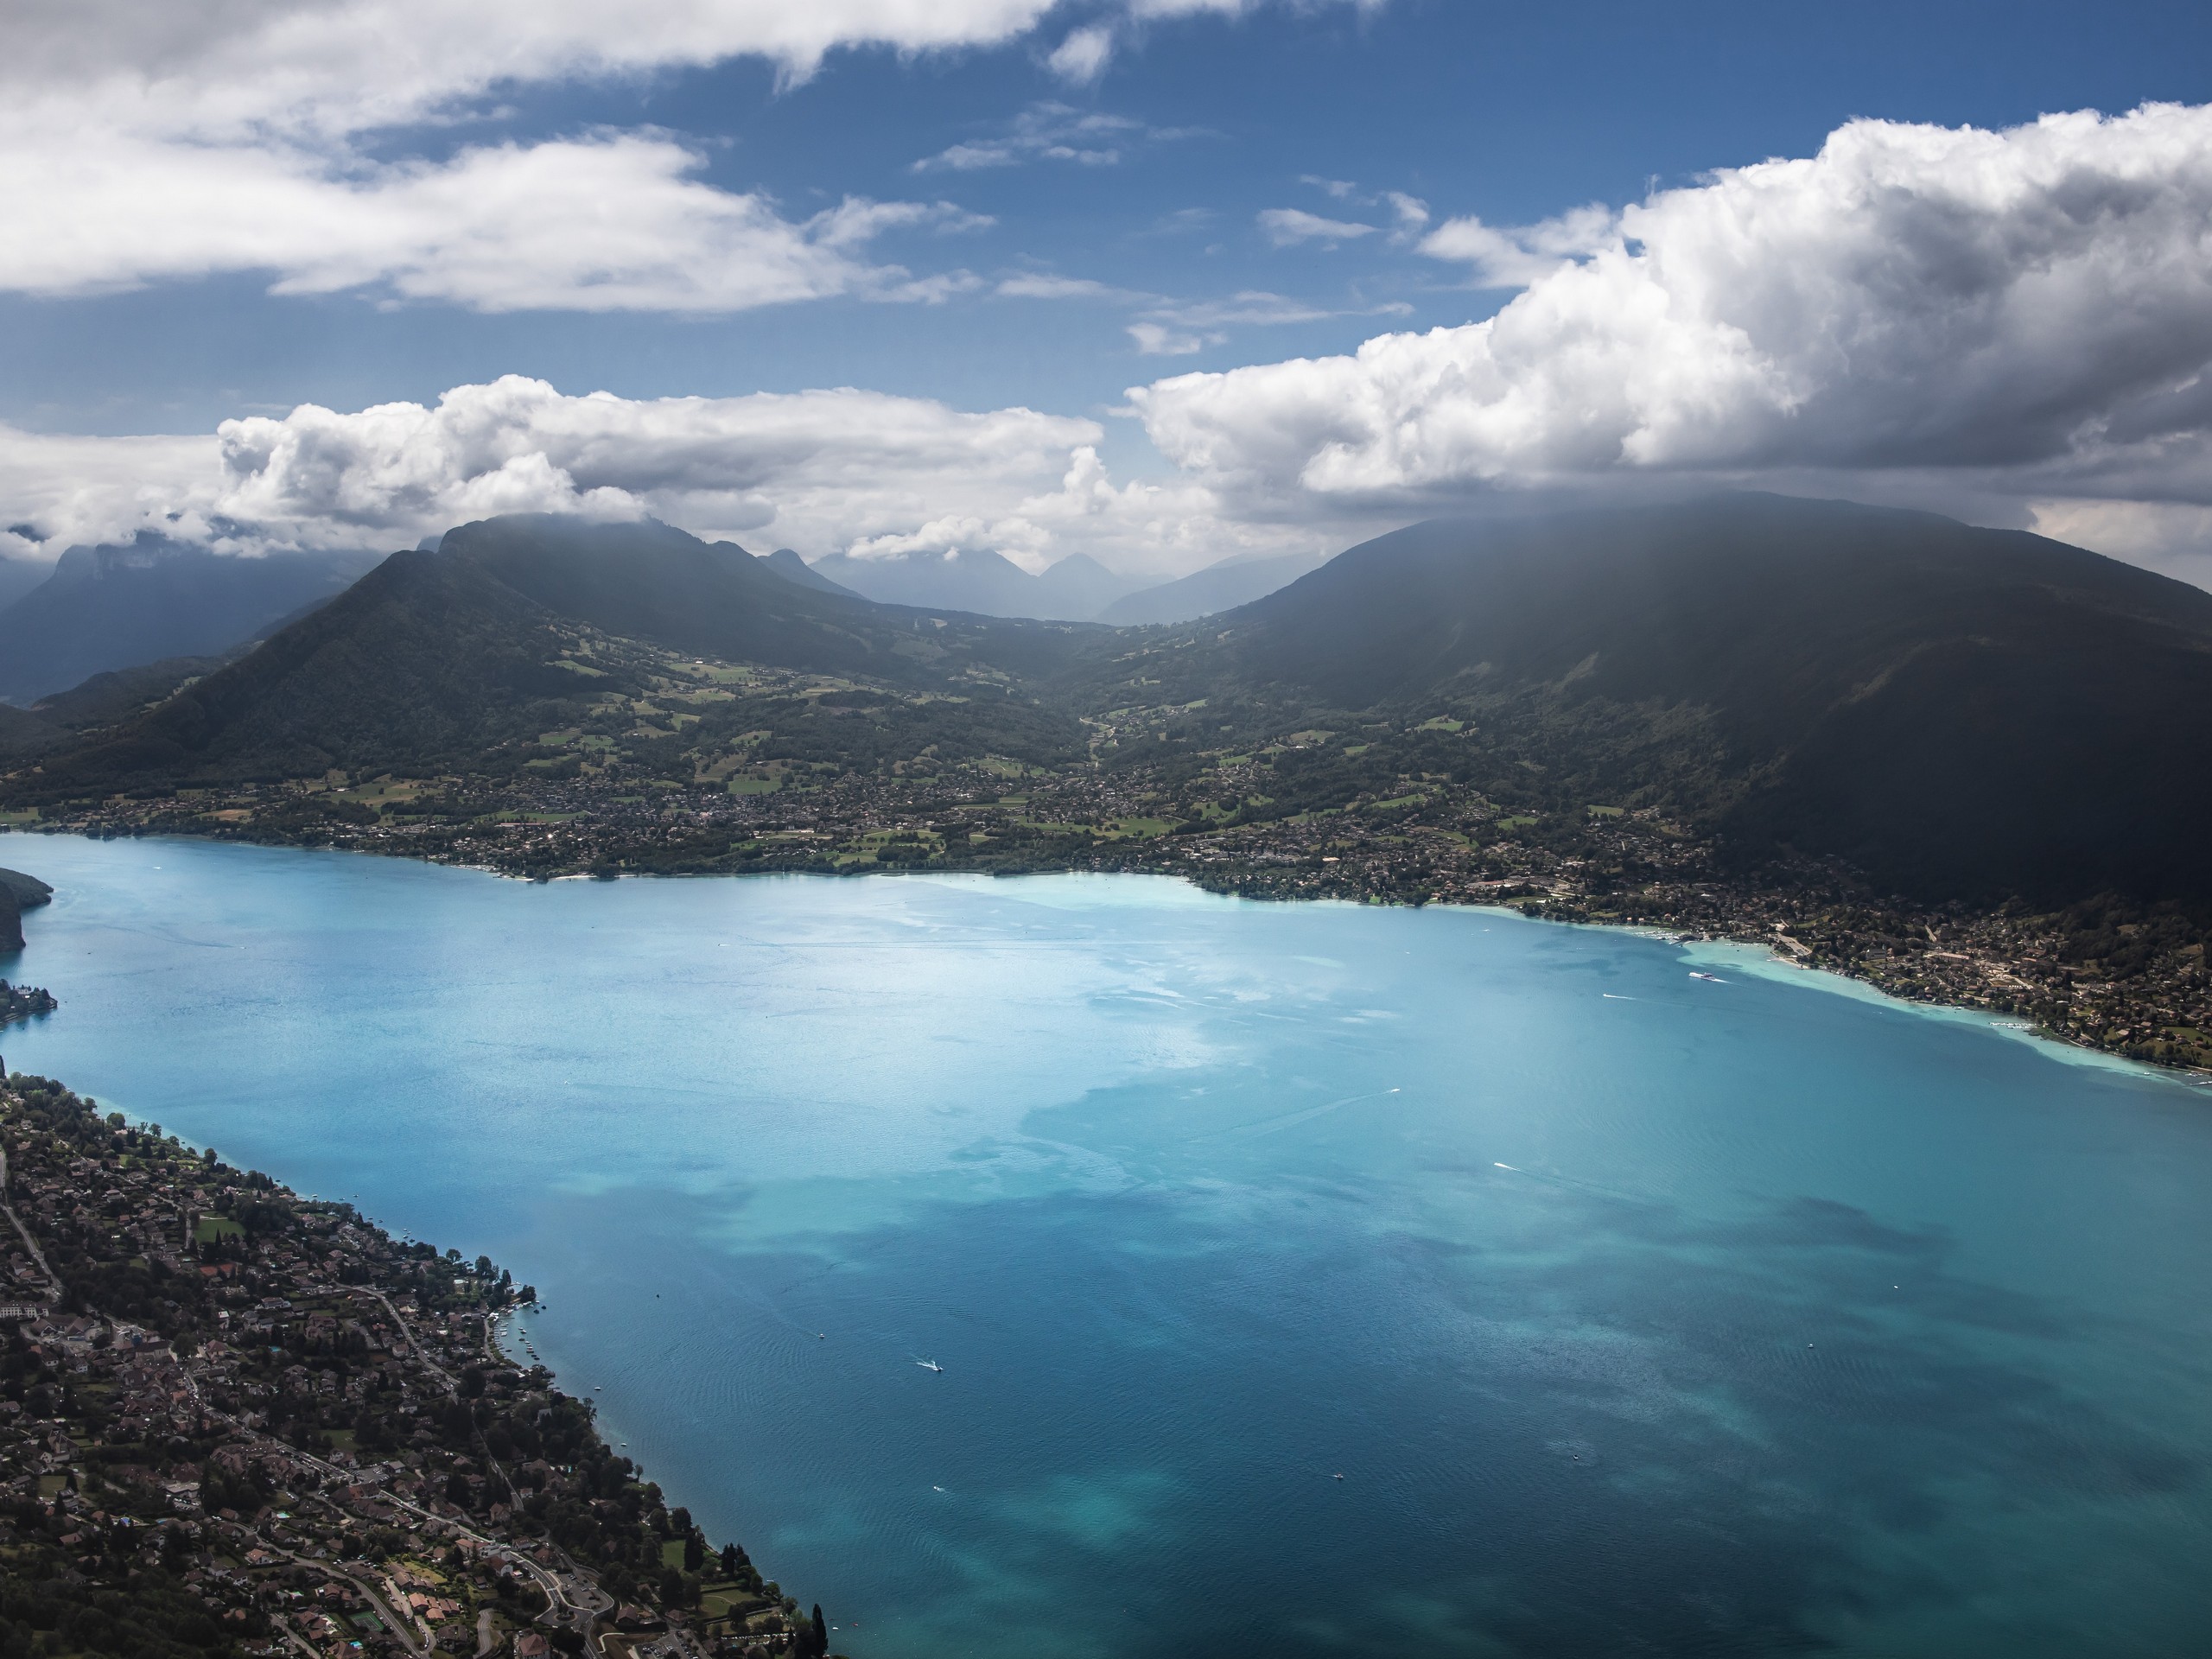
(1306, 1280)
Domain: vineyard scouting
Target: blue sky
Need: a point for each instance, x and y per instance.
(1126, 210)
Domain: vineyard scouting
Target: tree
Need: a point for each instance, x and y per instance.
(818, 1638)
(671, 1587)
(695, 1552)
(733, 1560)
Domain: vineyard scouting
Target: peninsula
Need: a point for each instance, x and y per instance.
(234, 1422)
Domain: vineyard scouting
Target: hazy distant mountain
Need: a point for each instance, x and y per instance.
(107, 608)
(1078, 588)
(791, 567)
(985, 584)
(19, 576)
(1220, 587)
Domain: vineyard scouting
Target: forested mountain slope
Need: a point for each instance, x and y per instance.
(1960, 714)
(1959, 711)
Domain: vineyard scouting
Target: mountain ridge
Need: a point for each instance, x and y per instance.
(117, 607)
(1961, 713)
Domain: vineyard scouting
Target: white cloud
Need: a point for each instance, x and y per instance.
(69, 489)
(1942, 314)
(2014, 325)
(143, 140)
(1083, 57)
(223, 70)
(1285, 227)
(615, 221)
(838, 469)
(1412, 212)
(1517, 257)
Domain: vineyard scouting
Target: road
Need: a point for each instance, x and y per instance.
(53, 1285)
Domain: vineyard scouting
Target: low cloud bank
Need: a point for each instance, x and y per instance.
(840, 470)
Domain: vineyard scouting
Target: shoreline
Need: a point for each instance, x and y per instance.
(1355, 885)
(311, 1428)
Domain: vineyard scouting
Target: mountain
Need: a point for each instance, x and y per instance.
(118, 693)
(791, 567)
(982, 583)
(22, 733)
(650, 582)
(102, 700)
(435, 660)
(1961, 712)
(1078, 588)
(114, 607)
(19, 576)
(1220, 587)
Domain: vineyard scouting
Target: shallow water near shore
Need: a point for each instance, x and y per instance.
(1307, 1280)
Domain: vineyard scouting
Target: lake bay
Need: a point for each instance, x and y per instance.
(1306, 1280)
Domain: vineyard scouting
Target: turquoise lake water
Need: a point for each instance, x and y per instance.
(1639, 1314)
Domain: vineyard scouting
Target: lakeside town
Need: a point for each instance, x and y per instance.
(2127, 980)
(236, 1422)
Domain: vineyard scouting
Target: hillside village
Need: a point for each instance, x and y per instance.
(233, 1421)
(1414, 814)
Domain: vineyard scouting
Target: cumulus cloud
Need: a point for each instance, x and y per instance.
(822, 471)
(2007, 317)
(56, 490)
(2013, 325)
(142, 140)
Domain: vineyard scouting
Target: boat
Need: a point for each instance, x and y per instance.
(930, 1365)
(1713, 978)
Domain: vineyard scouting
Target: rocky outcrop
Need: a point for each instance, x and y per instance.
(28, 891)
(18, 892)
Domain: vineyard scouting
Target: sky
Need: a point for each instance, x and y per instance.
(1159, 281)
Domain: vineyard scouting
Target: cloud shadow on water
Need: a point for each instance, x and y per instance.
(1605, 1428)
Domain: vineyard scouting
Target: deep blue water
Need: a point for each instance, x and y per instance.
(1639, 1314)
